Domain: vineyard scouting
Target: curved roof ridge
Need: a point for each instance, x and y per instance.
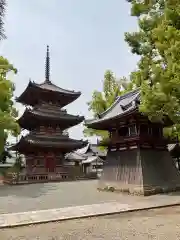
(121, 97)
(53, 113)
(55, 86)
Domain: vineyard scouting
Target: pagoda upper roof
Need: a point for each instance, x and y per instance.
(32, 142)
(124, 105)
(47, 92)
(49, 115)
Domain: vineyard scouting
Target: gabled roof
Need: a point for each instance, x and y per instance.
(82, 151)
(49, 86)
(173, 146)
(92, 148)
(75, 156)
(97, 150)
(92, 159)
(124, 104)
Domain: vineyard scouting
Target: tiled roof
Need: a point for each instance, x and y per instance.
(92, 148)
(98, 151)
(171, 147)
(91, 159)
(121, 106)
(68, 119)
(52, 87)
(48, 91)
(59, 114)
(75, 156)
(49, 141)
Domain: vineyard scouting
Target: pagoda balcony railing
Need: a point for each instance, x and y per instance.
(136, 138)
(64, 174)
(30, 178)
(49, 107)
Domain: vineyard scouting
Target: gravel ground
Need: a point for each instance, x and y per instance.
(41, 196)
(159, 224)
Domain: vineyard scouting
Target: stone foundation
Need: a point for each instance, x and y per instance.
(140, 172)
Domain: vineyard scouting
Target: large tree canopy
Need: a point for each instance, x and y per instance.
(101, 101)
(157, 43)
(8, 113)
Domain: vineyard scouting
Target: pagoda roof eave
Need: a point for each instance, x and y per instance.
(45, 87)
(52, 87)
(27, 143)
(67, 119)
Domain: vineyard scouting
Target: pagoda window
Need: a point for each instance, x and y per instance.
(50, 130)
(40, 161)
(110, 134)
(58, 130)
(59, 159)
(132, 130)
(150, 130)
(42, 129)
(123, 131)
(144, 129)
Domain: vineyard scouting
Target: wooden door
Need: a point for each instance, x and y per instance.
(50, 163)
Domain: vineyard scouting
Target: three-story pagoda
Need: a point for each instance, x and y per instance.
(138, 160)
(48, 141)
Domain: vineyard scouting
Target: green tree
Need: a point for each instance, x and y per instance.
(8, 113)
(157, 43)
(101, 101)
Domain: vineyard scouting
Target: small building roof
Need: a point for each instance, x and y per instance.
(98, 151)
(171, 146)
(92, 159)
(92, 149)
(174, 146)
(124, 105)
(75, 156)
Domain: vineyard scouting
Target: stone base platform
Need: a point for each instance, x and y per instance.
(67, 213)
(135, 190)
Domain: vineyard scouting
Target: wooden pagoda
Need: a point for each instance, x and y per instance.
(137, 161)
(47, 142)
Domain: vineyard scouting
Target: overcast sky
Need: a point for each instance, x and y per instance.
(86, 37)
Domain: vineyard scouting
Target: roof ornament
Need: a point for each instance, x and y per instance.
(47, 67)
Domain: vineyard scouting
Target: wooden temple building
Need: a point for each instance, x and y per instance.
(137, 161)
(46, 120)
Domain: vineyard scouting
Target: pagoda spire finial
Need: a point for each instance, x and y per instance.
(47, 66)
